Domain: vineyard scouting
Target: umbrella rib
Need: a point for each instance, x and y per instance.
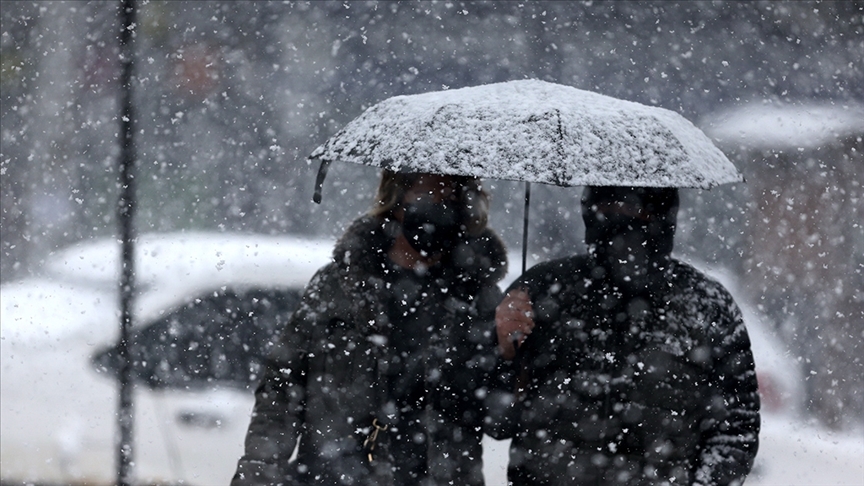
(560, 148)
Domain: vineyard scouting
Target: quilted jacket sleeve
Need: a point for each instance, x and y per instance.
(729, 446)
(280, 401)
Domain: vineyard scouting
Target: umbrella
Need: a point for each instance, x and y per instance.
(532, 131)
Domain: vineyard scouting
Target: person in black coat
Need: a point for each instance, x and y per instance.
(375, 380)
(624, 366)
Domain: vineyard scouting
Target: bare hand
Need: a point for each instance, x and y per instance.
(514, 321)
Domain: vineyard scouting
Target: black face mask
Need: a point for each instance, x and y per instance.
(624, 238)
(431, 228)
(631, 248)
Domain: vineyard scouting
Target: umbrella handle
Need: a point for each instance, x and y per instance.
(525, 225)
(319, 181)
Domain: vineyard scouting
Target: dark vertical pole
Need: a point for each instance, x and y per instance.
(525, 225)
(125, 212)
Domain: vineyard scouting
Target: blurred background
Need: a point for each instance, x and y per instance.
(232, 97)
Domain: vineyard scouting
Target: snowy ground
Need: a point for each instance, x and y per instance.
(792, 454)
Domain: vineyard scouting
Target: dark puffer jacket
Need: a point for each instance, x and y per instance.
(613, 389)
(328, 379)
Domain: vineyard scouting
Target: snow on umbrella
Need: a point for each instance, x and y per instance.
(532, 131)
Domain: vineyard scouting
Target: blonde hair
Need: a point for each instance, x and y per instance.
(473, 200)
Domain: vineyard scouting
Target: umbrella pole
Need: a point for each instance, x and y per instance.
(525, 225)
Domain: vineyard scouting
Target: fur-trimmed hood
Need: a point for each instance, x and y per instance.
(361, 258)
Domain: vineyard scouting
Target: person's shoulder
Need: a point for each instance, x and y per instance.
(688, 277)
(560, 265)
(685, 271)
(321, 285)
(366, 234)
(326, 273)
(556, 270)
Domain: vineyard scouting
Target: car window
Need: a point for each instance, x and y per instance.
(218, 338)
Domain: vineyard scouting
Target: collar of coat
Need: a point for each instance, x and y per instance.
(361, 258)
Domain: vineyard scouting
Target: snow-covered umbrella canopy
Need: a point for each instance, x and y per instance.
(531, 131)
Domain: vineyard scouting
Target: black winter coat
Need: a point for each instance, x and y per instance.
(328, 379)
(648, 389)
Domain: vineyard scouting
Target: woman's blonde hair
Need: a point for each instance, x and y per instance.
(473, 200)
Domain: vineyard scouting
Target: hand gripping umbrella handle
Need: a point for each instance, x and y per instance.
(372, 438)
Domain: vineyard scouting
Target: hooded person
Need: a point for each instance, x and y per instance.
(624, 366)
(375, 379)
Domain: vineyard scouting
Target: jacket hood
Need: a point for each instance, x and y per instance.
(630, 232)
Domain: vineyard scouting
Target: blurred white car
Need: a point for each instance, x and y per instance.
(207, 307)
